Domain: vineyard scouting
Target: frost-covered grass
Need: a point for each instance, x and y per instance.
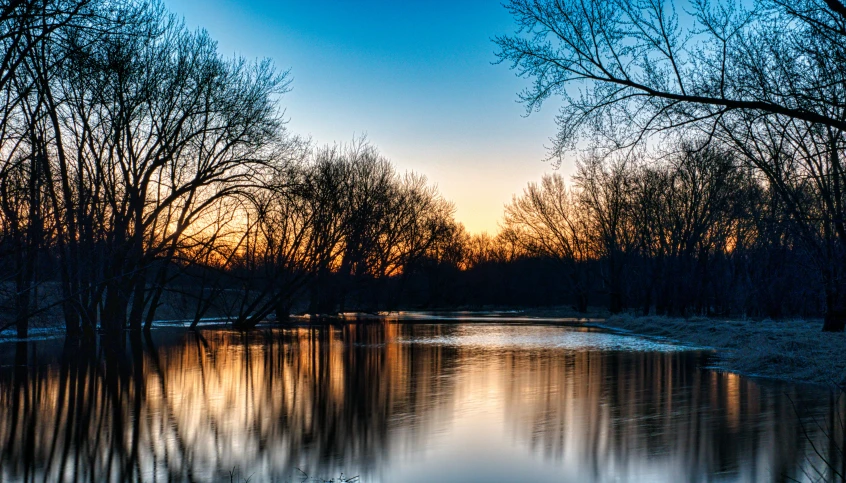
(795, 350)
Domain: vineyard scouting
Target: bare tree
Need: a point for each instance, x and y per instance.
(656, 67)
(32, 40)
(548, 220)
(697, 208)
(133, 135)
(605, 193)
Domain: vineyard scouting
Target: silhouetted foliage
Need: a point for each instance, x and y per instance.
(763, 81)
(142, 171)
(143, 176)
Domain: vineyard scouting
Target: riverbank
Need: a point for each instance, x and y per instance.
(791, 350)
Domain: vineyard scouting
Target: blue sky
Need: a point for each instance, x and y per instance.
(414, 76)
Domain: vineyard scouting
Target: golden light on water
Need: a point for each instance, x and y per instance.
(381, 399)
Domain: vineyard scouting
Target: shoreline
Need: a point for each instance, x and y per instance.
(795, 350)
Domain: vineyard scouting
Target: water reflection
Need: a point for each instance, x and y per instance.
(383, 401)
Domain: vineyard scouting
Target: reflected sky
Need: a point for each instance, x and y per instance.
(494, 337)
(399, 402)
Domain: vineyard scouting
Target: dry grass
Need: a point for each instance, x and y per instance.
(794, 350)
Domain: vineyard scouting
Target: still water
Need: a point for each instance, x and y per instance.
(397, 402)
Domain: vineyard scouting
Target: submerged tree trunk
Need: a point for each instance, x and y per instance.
(136, 314)
(22, 314)
(23, 285)
(113, 316)
(283, 310)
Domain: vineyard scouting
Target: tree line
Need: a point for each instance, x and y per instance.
(693, 232)
(140, 167)
(143, 175)
(764, 81)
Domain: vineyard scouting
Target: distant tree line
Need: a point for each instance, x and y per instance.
(692, 233)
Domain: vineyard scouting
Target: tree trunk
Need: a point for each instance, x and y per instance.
(283, 310)
(23, 285)
(615, 302)
(835, 310)
(581, 302)
(647, 303)
(22, 316)
(136, 315)
(113, 316)
(835, 288)
(615, 283)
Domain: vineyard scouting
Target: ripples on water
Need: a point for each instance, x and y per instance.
(399, 402)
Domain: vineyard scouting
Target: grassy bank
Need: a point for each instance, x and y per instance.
(794, 350)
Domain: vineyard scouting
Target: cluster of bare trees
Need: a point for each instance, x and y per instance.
(119, 138)
(343, 229)
(764, 81)
(137, 163)
(693, 232)
(140, 170)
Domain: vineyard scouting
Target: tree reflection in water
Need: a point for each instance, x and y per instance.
(372, 399)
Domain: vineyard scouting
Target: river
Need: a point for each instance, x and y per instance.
(391, 401)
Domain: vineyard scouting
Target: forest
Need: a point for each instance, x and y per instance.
(144, 176)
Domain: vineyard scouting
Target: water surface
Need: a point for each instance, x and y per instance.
(394, 402)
